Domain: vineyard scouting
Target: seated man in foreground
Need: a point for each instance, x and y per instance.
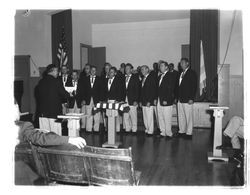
(27, 133)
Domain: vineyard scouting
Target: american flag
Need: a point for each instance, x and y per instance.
(62, 50)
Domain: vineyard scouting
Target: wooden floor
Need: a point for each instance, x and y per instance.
(172, 162)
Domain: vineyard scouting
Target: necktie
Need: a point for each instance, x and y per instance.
(64, 79)
(92, 80)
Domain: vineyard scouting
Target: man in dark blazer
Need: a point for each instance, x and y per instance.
(156, 73)
(104, 79)
(115, 91)
(115, 87)
(65, 77)
(92, 96)
(51, 94)
(165, 101)
(74, 105)
(132, 87)
(66, 80)
(148, 98)
(80, 91)
(185, 98)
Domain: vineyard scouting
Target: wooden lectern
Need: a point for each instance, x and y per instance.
(73, 123)
(218, 115)
(111, 143)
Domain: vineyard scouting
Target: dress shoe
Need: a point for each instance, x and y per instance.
(134, 133)
(188, 137)
(149, 134)
(177, 134)
(168, 137)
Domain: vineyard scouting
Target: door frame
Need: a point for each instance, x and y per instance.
(89, 47)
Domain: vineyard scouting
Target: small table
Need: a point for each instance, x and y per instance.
(73, 122)
(218, 115)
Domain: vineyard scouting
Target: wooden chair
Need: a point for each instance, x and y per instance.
(91, 165)
(111, 166)
(23, 153)
(64, 164)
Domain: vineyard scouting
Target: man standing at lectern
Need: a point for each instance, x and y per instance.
(185, 99)
(115, 90)
(51, 94)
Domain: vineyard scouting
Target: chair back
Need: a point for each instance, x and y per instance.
(90, 165)
(110, 166)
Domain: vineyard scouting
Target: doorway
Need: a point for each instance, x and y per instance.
(92, 55)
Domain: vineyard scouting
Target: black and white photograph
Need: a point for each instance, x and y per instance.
(129, 97)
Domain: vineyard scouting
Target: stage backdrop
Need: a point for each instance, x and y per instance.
(61, 27)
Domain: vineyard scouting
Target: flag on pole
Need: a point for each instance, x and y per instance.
(202, 69)
(62, 50)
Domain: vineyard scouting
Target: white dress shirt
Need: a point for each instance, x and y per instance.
(127, 80)
(163, 74)
(110, 81)
(92, 80)
(182, 75)
(144, 79)
(64, 79)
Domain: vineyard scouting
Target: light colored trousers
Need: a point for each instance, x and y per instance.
(165, 119)
(49, 124)
(148, 118)
(130, 119)
(92, 121)
(185, 118)
(235, 130)
(83, 120)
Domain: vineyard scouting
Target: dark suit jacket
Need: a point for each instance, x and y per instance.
(187, 88)
(176, 75)
(148, 92)
(94, 92)
(132, 91)
(80, 91)
(117, 90)
(51, 95)
(166, 89)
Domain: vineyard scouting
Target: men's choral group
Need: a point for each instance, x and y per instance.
(154, 91)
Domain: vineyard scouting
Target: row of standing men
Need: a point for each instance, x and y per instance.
(154, 91)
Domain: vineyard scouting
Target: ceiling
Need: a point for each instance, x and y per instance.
(122, 16)
(119, 16)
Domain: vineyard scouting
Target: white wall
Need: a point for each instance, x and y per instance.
(33, 37)
(142, 42)
(234, 56)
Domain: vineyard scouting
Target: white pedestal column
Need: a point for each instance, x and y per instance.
(217, 154)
